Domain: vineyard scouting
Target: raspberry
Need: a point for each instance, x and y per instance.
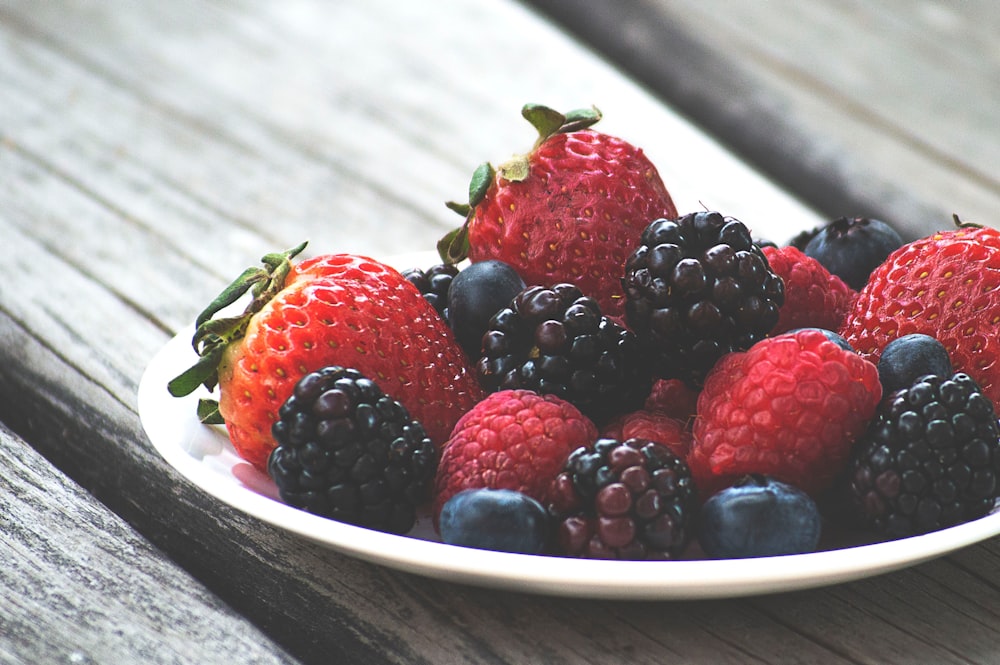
(674, 398)
(652, 426)
(624, 500)
(790, 408)
(814, 298)
(514, 439)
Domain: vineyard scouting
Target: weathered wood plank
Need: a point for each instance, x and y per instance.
(80, 586)
(149, 152)
(885, 109)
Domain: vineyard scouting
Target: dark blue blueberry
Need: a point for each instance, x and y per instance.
(498, 520)
(907, 358)
(759, 516)
(852, 248)
(832, 336)
(476, 294)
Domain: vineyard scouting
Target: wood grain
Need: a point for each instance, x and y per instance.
(150, 151)
(80, 586)
(884, 109)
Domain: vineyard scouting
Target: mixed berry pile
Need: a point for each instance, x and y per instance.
(587, 372)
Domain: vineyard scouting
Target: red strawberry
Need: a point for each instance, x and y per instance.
(513, 439)
(814, 298)
(946, 285)
(653, 426)
(790, 407)
(570, 210)
(336, 309)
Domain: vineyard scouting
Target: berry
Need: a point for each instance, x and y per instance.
(624, 500)
(813, 297)
(497, 520)
(433, 283)
(348, 452)
(930, 459)
(906, 358)
(674, 398)
(852, 248)
(334, 309)
(556, 341)
(513, 439)
(569, 210)
(947, 286)
(836, 338)
(477, 293)
(791, 407)
(759, 516)
(651, 426)
(697, 288)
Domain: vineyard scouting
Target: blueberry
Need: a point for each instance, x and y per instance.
(476, 294)
(909, 357)
(832, 336)
(759, 516)
(498, 520)
(852, 248)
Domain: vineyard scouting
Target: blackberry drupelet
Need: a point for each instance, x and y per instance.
(348, 452)
(624, 500)
(556, 341)
(696, 288)
(433, 283)
(930, 459)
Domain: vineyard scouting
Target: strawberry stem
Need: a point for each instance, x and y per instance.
(213, 335)
(454, 246)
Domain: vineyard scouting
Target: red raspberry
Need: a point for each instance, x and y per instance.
(674, 398)
(790, 407)
(513, 439)
(814, 298)
(655, 426)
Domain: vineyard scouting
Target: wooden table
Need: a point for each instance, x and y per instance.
(150, 151)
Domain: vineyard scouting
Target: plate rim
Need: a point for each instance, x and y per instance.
(551, 575)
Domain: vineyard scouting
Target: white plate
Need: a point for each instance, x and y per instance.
(205, 457)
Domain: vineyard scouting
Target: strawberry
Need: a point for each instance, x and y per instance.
(334, 309)
(513, 439)
(570, 210)
(790, 407)
(814, 298)
(946, 285)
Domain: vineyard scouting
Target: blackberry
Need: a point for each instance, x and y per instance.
(696, 288)
(433, 283)
(556, 341)
(624, 500)
(929, 460)
(348, 452)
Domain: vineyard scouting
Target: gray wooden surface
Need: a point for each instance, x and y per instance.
(148, 153)
(81, 586)
(889, 109)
